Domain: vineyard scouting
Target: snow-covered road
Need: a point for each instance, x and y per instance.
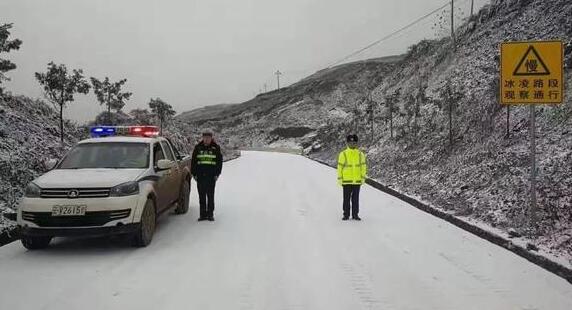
(278, 243)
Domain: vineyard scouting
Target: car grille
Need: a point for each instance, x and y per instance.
(81, 192)
(93, 218)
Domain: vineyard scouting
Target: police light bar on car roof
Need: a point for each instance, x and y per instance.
(102, 131)
(145, 131)
(138, 131)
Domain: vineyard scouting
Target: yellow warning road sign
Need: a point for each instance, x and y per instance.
(531, 72)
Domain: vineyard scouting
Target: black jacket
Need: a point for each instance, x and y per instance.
(199, 169)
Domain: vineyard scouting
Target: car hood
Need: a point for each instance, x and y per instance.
(86, 178)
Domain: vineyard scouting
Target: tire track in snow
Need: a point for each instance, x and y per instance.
(482, 280)
(360, 282)
(246, 301)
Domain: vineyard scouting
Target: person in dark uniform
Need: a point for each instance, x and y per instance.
(206, 167)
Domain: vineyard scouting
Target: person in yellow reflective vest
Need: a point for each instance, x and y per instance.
(352, 171)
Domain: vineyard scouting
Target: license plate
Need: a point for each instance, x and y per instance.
(68, 210)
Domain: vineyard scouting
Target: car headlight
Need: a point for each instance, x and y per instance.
(32, 191)
(125, 189)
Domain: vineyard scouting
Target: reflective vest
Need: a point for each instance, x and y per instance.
(352, 167)
(206, 158)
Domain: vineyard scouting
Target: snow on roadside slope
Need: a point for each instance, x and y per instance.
(523, 241)
(29, 135)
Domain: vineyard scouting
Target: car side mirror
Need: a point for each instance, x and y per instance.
(50, 163)
(164, 164)
(182, 156)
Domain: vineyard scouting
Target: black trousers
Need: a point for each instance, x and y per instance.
(206, 189)
(351, 193)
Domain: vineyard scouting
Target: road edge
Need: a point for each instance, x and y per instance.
(504, 242)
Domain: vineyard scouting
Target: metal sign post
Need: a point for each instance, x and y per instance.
(532, 73)
(533, 216)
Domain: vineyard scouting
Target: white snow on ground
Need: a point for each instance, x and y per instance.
(279, 243)
(287, 144)
(521, 241)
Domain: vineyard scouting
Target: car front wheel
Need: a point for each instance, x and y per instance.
(183, 203)
(144, 234)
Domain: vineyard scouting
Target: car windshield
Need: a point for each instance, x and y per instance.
(116, 155)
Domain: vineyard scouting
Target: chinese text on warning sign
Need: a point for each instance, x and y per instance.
(531, 72)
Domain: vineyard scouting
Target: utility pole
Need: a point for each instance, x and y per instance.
(278, 73)
(472, 7)
(453, 23)
(372, 123)
(265, 89)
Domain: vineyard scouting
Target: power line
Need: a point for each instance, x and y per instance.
(390, 35)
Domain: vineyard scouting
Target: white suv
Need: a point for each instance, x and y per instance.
(107, 185)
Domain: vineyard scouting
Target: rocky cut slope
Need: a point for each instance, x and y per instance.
(483, 175)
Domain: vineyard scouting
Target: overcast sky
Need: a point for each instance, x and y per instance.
(193, 53)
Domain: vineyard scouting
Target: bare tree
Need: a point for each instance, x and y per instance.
(450, 97)
(390, 101)
(420, 98)
(110, 94)
(162, 110)
(60, 87)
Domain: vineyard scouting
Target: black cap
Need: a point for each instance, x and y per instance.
(352, 138)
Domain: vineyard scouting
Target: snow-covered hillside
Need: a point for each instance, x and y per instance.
(327, 99)
(484, 175)
(29, 135)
